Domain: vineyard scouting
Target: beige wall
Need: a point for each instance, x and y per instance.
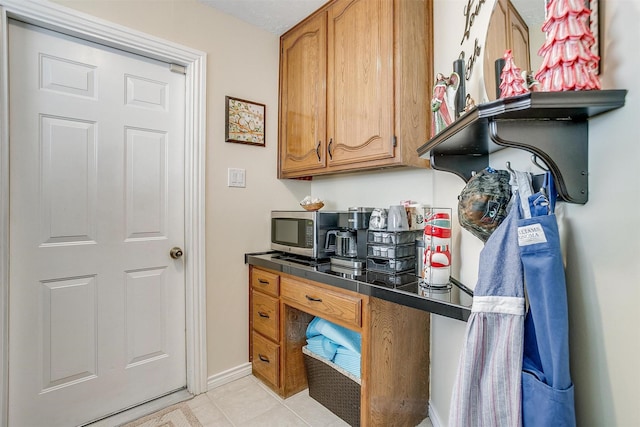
(602, 237)
(603, 277)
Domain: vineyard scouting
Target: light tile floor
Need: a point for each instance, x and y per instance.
(247, 402)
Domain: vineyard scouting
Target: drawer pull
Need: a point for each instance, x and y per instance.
(264, 358)
(263, 314)
(313, 299)
(264, 282)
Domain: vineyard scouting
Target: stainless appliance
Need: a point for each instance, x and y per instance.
(351, 241)
(346, 244)
(304, 233)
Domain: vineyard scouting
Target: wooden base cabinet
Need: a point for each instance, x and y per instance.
(264, 325)
(395, 344)
(355, 87)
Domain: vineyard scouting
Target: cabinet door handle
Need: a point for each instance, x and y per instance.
(329, 149)
(313, 299)
(318, 150)
(264, 358)
(263, 314)
(264, 282)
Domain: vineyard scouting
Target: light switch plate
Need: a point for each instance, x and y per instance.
(236, 178)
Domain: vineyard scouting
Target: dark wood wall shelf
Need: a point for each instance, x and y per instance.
(552, 125)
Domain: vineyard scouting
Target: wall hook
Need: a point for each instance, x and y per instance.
(508, 165)
(534, 160)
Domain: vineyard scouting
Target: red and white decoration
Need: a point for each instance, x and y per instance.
(511, 81)
(568, 62)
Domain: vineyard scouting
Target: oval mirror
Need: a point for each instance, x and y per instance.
(515, 25)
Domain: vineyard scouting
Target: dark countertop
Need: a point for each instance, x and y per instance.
(443, 302)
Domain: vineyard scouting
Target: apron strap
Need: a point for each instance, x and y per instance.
(544, 201)
(521, 184)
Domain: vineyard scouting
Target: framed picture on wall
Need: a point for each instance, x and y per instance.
(244, 121)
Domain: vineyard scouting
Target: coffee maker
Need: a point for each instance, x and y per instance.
(351, 242)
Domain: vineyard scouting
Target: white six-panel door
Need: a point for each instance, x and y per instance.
(97, 305)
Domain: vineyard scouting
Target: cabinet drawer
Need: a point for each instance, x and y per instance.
(332, 306)
(266, 282)
(266, 358)
(265, 315)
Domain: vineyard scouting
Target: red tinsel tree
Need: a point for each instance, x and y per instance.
(511, 81)
(567, 60)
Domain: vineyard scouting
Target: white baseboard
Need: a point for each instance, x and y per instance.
(228, 376)
(433, 416)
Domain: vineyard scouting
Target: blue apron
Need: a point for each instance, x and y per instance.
(547, 390)
(487, 388)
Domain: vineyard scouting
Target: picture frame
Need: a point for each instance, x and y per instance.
(244, 121)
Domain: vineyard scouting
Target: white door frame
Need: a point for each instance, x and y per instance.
(77, 24)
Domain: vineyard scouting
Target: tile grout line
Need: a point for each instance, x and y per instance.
(296, 414)
(226, 416)
(282, 403)
(274, 396)
(280, 400)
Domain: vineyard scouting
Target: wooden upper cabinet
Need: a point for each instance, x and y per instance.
(361, 100)
(359, 82)
(303, 71)
(519, 39)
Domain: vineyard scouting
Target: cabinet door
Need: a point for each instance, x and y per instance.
(519, 39)
(265, 282)
(507, 30)
(266, 359)
(360, 82)
(337, 307)
(266, 315)
(497, 42)
(303, 98)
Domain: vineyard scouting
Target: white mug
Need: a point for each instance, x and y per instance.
(397, 220)
(417, 217)
(378, 219)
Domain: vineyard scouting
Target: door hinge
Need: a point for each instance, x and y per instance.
(177, 68)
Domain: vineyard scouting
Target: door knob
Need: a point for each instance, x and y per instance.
(176, 252)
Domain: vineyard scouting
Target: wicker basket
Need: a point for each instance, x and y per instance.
(333, 387)
(312, 206)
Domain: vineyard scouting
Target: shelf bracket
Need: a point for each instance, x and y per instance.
(552, 125)
(463, 165)
(561, 144)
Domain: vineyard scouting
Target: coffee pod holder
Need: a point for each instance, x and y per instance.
(391, 257)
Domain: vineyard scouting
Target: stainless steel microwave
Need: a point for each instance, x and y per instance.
(304, 233)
